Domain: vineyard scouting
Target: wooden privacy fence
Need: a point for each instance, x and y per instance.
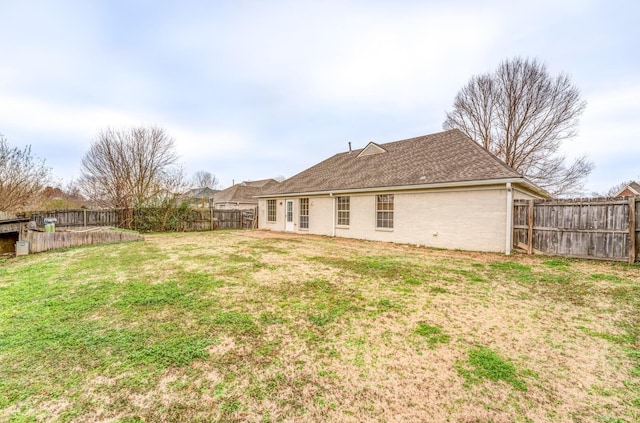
(42, 241)
(586, 228)
(80, 218)
(151, 219)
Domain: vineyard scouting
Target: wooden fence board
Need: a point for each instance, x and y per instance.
(193, 220)
(43, 241)
(588, 228)
(637, 230)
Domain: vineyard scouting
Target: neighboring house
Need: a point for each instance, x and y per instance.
(201, 197)
(440, 190)
(632, 189)
(243, 195)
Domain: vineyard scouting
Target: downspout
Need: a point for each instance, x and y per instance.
(333, 220)
(509, 222)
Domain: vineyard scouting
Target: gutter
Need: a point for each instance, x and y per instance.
(509, 220)
(539, 191)
(333, 221)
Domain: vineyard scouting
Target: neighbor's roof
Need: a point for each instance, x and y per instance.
(445, 157)
(244, 192)
(633, 187)
(201, 192)
(259, 184)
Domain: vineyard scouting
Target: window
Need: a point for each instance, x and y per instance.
(271, 210)
(384, 211)
(343, 211)
(304, 213)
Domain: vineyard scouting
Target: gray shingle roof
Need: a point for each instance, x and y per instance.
(198, 193)
(244, 192)
(437, 158)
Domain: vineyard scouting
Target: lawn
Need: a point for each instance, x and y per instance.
(265, 327)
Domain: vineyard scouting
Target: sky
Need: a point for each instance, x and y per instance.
(257, 89)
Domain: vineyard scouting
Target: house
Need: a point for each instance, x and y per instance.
(243, 195)
(632, 189)
(440, 190)
(200, 197)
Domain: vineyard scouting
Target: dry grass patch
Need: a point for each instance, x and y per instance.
(260, 326)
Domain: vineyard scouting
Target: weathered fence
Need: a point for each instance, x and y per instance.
(585, 228)
(43, 241)
(151, 219)
(80, 218)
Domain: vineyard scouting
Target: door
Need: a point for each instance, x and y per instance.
(288, 216)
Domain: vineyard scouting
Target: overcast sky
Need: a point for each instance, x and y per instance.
(255, 89)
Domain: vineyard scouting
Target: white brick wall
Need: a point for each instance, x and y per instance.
(278, 225)
(469, 219)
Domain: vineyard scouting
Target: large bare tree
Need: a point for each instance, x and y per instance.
(134, 167)
(202, 179)
(22, 177)
(522, 114)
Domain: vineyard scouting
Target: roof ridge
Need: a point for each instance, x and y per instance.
(446, 157)
(435, 134)
(493, 156)
(358, 150)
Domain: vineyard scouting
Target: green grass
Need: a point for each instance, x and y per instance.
(485, 364)
(252, 326)
(433, 335)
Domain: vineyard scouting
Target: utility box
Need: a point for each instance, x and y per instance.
(22, 248)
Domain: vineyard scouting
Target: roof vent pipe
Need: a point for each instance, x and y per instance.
(349, 146)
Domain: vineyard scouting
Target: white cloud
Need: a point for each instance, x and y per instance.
(213, 143)
(80, 122)
(343, 55)
(239, 82)
(609, 126)
(59, 119)
(609, 135)
(400, 63)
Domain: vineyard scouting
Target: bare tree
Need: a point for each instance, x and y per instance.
(128, 168)
(280, 178)
(615, 189)
(22, 177)
(202, 179)
(60, 196)
(522, 115)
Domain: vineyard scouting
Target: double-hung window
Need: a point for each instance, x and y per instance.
(271, 210)
(304, 213)
(384, 211)
(343, 210)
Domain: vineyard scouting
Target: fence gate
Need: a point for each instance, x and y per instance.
(586, 228)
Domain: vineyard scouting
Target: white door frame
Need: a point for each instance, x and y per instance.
(289, 218)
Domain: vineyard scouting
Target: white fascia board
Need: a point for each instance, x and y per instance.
(463, 184)
(628, 187)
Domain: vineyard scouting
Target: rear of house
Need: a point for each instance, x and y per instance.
(440, 190)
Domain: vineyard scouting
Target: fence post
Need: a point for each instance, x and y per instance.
(254, 224)
(211, 215)
(85, 217)
(632, 230)
(530, 229)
